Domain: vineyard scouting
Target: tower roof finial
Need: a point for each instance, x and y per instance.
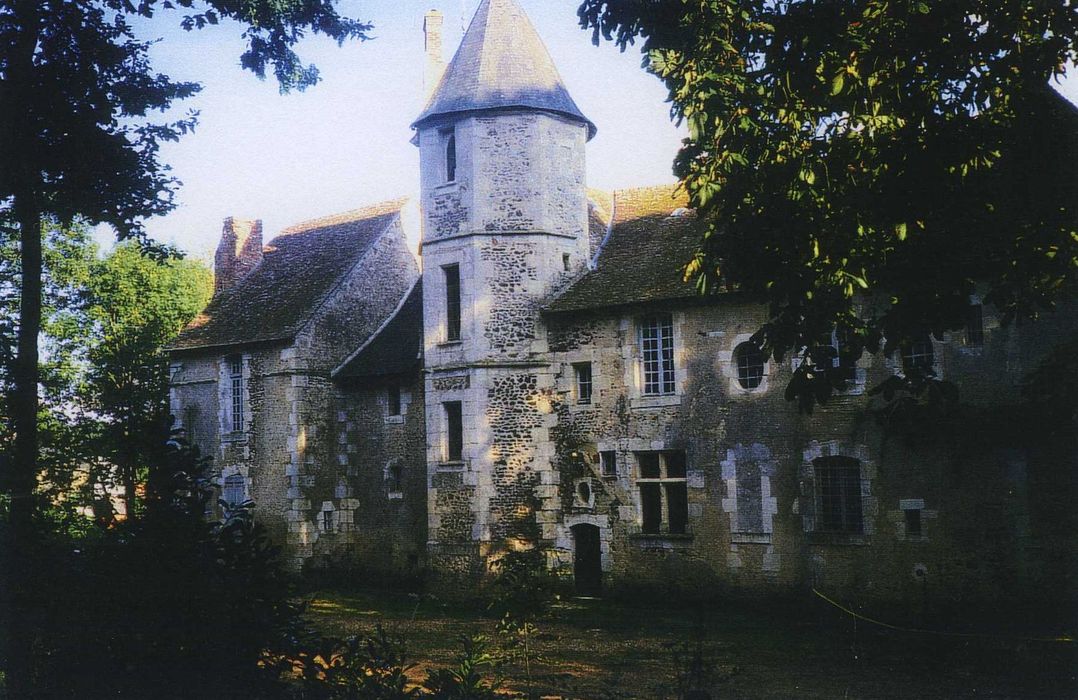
(501, 64)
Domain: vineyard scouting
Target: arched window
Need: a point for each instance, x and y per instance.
(750, 365)
(451, 157)
(234, 492)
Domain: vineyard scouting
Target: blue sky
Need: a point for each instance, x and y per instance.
(345, 142)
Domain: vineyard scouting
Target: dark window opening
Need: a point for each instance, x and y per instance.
(750, 365)
(393, 400)
(919, 355)
(582, 370)
(838, 495)
(608, 462)
(913, 522)
(452, 302)
(657, 352)
(583, 492)
(651, 508)
(327, 521)
(565, 261)
(664, 495)
(454, 429)
(975, 326)
(394, 477)
(451, 157)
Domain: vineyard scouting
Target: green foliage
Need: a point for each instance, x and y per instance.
(866, 166)
(466, 681)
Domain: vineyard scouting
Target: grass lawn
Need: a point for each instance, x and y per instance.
(603, 649)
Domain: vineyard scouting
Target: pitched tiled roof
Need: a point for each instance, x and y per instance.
(299, 269)
(501, 63)
(395, 348)
(652, 237)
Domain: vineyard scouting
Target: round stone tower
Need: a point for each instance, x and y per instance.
(504, 225)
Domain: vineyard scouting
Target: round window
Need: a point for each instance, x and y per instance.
(750, 365)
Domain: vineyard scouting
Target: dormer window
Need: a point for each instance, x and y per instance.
(449, 138)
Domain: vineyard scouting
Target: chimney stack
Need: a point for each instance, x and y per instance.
(239, 252)
(432, 46)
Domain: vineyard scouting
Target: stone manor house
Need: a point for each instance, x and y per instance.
(543, 364)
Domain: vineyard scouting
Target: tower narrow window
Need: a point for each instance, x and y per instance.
(582, 370)
(393, 400)
(235, 376)
(975, 326)
(450, 155)
(454, 432)
(452, 302)
(657, 352)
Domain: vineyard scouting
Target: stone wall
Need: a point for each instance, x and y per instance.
(982, 501)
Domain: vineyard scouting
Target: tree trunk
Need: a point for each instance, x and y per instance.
(24, 407)
(27, 207)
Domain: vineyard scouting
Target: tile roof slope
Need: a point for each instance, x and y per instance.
(395, 348)
(300, 267)
(643, 258)
(501, 63)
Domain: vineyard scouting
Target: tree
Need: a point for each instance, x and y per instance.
(863, 167)
(76, 89)
(137, 305)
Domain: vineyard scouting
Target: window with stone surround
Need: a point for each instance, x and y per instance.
(608, 463)
(449, 138)
(582, 377)
(327, 520)
(393, 400)
(975, 326)
(237, 407)
(234, 490)
(839, 507)
(663, 491)
(454, 431)
(919, 355)
(452, 302)
(657, 355)
(750, 365)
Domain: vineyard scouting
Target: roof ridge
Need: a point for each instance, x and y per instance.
(388, 206)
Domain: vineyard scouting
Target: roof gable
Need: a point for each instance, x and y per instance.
(393, 349)
(501, 63)
(299, 269)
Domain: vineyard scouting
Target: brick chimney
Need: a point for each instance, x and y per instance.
(239, 252)
(432, 46)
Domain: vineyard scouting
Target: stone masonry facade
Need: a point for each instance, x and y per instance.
(542, 363)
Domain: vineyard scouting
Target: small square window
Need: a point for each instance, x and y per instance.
(608, 463)
(582, 373)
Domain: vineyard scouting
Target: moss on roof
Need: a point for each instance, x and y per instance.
(652, 236)
(299, 269)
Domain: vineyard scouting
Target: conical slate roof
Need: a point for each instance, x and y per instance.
(501, 64)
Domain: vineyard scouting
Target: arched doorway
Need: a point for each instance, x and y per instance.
(587, 560)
